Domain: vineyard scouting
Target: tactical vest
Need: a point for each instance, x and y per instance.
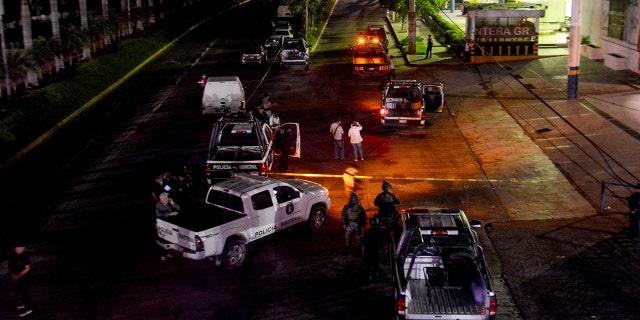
(353, 212)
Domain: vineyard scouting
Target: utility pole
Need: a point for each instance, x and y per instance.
(574, 50)
(412, 26)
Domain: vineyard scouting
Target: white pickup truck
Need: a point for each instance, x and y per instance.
(240, 210)
(294, 52)
(438, 267)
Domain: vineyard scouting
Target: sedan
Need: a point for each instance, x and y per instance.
(254, 54)
(283, 32)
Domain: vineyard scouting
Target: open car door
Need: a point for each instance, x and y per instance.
(293, 144)
(433, 95)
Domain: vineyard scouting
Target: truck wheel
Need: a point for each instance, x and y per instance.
(234, 254)
(317, 218)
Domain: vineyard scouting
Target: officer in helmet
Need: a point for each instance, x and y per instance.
(354, 218)
(386, 202)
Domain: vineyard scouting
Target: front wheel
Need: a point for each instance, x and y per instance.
(317, 218)
(233, 255)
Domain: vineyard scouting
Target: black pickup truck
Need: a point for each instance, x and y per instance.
(243, 145)
(438, 268)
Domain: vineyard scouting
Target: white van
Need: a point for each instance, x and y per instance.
(222, 94)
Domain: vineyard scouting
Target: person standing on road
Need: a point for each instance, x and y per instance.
(386, 202)
(429, 47)
(356, 140)
(337, 132)
(285, 137)
(372, 243)
(19, 266)
(351, 183)
(392, 68)
(354, 218)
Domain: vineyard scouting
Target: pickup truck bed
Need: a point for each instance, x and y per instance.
(441, 300)
(202, 218)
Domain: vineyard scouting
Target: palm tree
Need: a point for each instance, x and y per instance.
(43, 54)
(27, 39)
(74, 40)
(55, 33)
(21, 63)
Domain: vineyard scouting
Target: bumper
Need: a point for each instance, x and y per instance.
(402, 122)
(184, 252)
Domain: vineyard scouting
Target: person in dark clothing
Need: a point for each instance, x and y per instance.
(429, 47)
(372, 243)
(19, 266)
(284, 137)
(260, 115)
(354, 218)
(386, 202)
(157, 187)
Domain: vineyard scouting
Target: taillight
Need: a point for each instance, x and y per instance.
(382, 112)
(493, 307)
(439, 232)
(263, 169)
(207, 169)
(199, 243)
(400, 306)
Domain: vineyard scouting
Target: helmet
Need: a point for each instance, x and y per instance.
(353, 198)
(375, 222)
(386, 186)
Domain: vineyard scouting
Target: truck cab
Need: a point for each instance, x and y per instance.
(406, 102)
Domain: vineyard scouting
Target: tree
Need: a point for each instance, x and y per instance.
(21, 62)
(27, 39)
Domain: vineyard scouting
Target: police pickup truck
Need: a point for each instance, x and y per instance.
(369, 57)
(241, 210)
(244, 145)
(405, 102)
(438, 268)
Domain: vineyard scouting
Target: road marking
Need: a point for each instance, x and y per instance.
(321, 175)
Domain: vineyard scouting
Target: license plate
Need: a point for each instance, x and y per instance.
(402, 121)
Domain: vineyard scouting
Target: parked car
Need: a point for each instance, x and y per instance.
(273, 45)
(254, 53)
(282, 24)
(283, 32)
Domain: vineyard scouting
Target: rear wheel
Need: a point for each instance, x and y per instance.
(317, 218)
(233, 255)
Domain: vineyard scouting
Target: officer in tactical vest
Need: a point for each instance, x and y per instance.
(354, 218)
(386, 202)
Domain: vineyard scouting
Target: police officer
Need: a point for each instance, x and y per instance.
(353, 218)
(386, 202)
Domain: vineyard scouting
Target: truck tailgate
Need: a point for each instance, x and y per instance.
(441, 302)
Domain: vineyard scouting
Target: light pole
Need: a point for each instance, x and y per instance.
(574, 50)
